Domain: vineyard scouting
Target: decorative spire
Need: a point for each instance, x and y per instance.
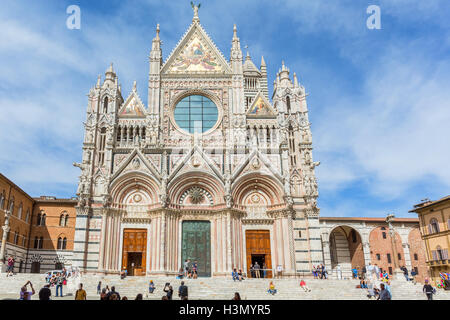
(110, 69)
(99, 79)
(235, 32)
(295, 80)
(248, 55)
(263, 63)
(134, 86)
(157, 32)
(195, 19)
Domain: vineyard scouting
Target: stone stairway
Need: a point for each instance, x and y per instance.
(223, 288)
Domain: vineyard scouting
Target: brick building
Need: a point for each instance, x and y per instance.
(434, 217)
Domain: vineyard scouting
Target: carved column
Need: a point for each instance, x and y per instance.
(101, 259)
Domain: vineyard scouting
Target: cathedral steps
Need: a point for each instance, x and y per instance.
(224, 289)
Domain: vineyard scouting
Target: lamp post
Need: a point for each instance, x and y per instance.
(389, 219)
(6, 229)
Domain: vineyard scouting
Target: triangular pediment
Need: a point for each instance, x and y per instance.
(196, 160)
(136, 161)
(256, 162)
(133, 106)
(260, 108)
(196, 53)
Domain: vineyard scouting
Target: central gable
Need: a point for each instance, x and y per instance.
(196, 54)
(260, 108)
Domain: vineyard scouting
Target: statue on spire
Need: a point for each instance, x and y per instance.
(195, 11)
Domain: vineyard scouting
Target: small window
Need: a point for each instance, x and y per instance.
(383, 228)
(390, 270)
(16, 237)
(384, 235)
(416, 270)
(59, 245)
(64, 244)
(389, 258)
(416, 257)
(399, 256)
(434, 226)
(378, 256)
(353, 236)
(299, 234)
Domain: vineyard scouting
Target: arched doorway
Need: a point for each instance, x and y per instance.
(346, 251)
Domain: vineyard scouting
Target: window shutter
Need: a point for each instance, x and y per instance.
(445, 254)
(434, 254)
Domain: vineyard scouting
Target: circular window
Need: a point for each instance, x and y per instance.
(196, 114)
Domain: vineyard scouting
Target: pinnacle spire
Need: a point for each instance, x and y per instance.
(157, 32)
(263, 63)
(134, 85)
(195, 19)
(234, 31)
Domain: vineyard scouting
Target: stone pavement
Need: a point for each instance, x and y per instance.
(219, 288)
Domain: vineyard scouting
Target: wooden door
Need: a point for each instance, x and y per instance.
(258, 243)
(134, 241)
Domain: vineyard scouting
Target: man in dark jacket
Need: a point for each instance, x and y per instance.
(183, 291)
(428, 290)
(45, 293)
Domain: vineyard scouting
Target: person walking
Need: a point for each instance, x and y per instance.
(339, 272)
(103, 295)
(405, 273)
(264, 269)
(99, 287)
(10, 267)
(45, 293)
(59, 284)
(183, 291)
(80, 294)
(384, 293)
(428, 290)
(151, 287)
(252, 271)
(112, 293)
(413, 276)
(257, 270)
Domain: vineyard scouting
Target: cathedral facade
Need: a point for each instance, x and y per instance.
(212, 170)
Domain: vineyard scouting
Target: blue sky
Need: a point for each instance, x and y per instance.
(379, 100)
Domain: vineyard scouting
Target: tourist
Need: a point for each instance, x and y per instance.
(180, 274)
(195, 270)
(99, 287)
(413, 276)
(80, 294)
(10, 267)
(234, 275)
(252, 271)
(370, 290)
(59, 284)
(240, 275)
(138, 297)
(428, 290)
(364, 271)
(107, 289)
(355, 272)
(125, 298)
(182, 290)
(377, 271)
(264, 267)
(45, 293)
(123, 274)
(186, 267)
(169, 290)
(151, 287)
(113, 292)
(237, 296)
(303, 286)
(272, 289)
(24, 293)
(339, 272)
(164, 298)
(48, 277)
(314, 272)
(103, 295)
(257, 270)
(384, 294)
(114, 296)
(405, 273)
(279, 271)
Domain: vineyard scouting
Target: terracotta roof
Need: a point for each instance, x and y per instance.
(429, 204)
(54, 199)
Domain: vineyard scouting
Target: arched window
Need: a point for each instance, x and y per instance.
(61, 220)
(288, 104)
(64, 244)
(36, 242)
(2, 199)
(11, 206)
(59, 246)
(41, 242)
(27, 217)
(16, 237)
(102, 144)
(24, 241)
(19, 213)
(433, 227)
(38, 219)
(43, 217)
(105, 105)
(66, 220)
